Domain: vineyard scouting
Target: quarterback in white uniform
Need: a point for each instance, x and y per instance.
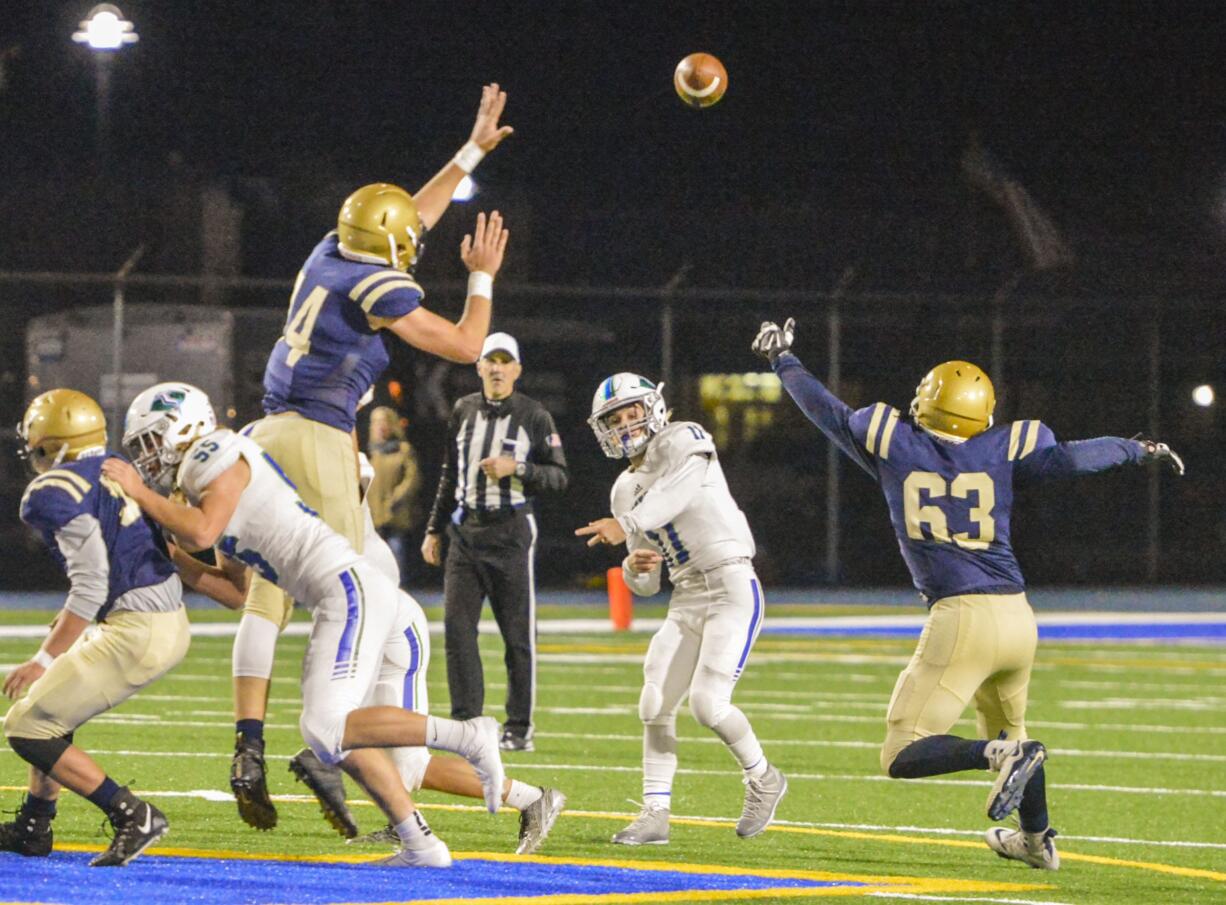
(240, 502)
(672, 507)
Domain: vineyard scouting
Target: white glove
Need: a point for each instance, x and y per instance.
(773, 340)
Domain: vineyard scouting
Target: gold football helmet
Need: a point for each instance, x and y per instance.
(379, 224)
(954, 400)
(59, 426)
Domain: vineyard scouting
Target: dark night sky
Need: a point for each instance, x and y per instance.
(1111, 113)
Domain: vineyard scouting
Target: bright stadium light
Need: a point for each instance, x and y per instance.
(465, 191)
(106, 29)
(1203, 395)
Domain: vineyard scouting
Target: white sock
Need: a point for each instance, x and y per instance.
(659, 765)
(521, 794)
(414, 832)
(443, 734)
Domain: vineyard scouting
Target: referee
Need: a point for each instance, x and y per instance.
(505, 451)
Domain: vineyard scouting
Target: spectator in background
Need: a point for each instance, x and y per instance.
(393, 492)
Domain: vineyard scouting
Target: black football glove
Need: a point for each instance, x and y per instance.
(1160, 452)
(773, 340)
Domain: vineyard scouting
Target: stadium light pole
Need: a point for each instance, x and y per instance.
(117, 302)
(105, 32)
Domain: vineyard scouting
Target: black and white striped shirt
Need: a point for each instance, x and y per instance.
(517, 426)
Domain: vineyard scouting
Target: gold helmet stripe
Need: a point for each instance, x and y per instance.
(886, 434)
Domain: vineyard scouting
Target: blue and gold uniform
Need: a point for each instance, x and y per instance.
(330, 354)
(120, 577)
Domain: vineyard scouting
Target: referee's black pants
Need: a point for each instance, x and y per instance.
(495, 561)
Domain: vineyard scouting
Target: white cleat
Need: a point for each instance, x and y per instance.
(434, 854)
(649, 828)
(482, 752)
(1016, 766)
(762, 797)
(537, 819)
(1036, 849)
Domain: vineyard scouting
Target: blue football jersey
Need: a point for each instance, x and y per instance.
(328, 355)
(950, 503)
(56, 497)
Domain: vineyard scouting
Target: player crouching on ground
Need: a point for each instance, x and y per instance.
(121, 579)
(948, 475)
(672, 505)
(239, 501)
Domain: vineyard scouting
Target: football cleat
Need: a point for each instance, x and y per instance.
(762, 797)
(434, 853)
(380, 836)
(1036, 849)
(138, 825)
(649, 828)
(250, 786)
(329, 788)
(537, 819)
(26, 835)
(514, 741)
(482, 753)
(1016, 767)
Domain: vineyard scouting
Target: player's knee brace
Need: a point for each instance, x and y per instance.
(255, 647)
(324, 732)
(651, 703)
(41, 753)
(708, 708)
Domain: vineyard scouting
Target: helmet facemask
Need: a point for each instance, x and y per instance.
(162, 424)
(626, 439)
(156, 462)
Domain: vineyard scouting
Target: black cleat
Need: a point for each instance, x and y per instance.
(1015, 771)
(249, 784)
(26, 835)
(137, 824)
(328, 786)
(515, 741)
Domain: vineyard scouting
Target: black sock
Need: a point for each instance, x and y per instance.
(104, 795)
(1033, 810)
(939, 754)
(33, 806)
(250, 731)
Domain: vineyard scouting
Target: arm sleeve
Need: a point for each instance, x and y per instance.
(387, 294)
(641, 584)
(546, 466)
(444, 497)
(1052, 459)
(667, 497)
(89, 571)
(833, 417)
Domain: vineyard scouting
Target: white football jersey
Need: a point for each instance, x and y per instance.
(677, 502)
(272, 530)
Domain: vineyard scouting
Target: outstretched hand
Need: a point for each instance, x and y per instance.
(602, 531)
(484, 247)
(773, 340)
(1154, 451)
(486, 131)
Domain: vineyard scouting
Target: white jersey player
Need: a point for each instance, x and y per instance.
(241, 503)
(672, 508)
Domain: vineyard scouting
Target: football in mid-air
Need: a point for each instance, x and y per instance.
(700, 80)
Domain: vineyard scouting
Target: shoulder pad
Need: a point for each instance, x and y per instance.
(207, 458)
(878, 422)
(54, 498)
(682, 439)
(1027, 436)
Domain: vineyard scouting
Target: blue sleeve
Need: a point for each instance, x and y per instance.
(387, 293)
(1053, 459)
(833, 417)
(50, 507)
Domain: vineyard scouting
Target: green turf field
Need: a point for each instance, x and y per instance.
(1137, 735)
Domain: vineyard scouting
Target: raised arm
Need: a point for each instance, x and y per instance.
(1053, 459)
(831, 415)
(433, 198)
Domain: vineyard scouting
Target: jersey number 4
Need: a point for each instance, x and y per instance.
(918, 514)
(298, 330)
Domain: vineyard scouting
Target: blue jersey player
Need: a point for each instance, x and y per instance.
(948, 475)
(122, 580)
(356, 285)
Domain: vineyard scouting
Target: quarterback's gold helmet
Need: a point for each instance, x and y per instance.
(58, 426)
(379, 224)
(954, 400)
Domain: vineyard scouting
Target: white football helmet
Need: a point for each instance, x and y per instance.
(619, 391)
(162, 422)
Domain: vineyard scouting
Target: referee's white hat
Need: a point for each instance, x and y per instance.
(501, 342)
